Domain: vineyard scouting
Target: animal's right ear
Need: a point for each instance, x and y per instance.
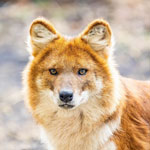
(41, 34)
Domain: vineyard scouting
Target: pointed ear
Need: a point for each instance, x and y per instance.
(98, 35)
(41, 34)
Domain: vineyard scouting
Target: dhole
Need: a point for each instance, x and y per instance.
(77, 96)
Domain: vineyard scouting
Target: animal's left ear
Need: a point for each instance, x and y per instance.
(98, 35)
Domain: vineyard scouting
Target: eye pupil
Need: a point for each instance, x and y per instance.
(82, 71)
(53, 71)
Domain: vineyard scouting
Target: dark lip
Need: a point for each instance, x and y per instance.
(66, 106)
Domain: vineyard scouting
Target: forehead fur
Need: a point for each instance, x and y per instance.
(70, 51)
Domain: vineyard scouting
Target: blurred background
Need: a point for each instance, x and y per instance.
(129, 19)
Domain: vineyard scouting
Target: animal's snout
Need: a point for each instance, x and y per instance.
(66, 96)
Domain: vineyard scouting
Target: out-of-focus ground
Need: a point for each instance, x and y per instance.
(129, 19)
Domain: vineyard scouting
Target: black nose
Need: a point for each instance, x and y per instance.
(66, 96)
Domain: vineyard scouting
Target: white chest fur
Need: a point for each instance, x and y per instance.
(64, 138)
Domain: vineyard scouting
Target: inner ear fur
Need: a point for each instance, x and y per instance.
(41, 34)
(98, 35)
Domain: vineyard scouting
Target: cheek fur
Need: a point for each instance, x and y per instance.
(45, 84)
(48, 81)
(50, 85)
(87, 85)
(84, 96)
(99, 84)
(93, 84)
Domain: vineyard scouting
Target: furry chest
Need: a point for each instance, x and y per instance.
(73, 137)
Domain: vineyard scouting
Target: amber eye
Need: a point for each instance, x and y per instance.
(82, 71)
(53, 71)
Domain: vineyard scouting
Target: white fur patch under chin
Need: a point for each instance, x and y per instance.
(107, 130)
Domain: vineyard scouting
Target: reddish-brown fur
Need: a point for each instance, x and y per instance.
(135, 123)
(120, 98)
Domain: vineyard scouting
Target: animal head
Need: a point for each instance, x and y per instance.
(70, 74)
